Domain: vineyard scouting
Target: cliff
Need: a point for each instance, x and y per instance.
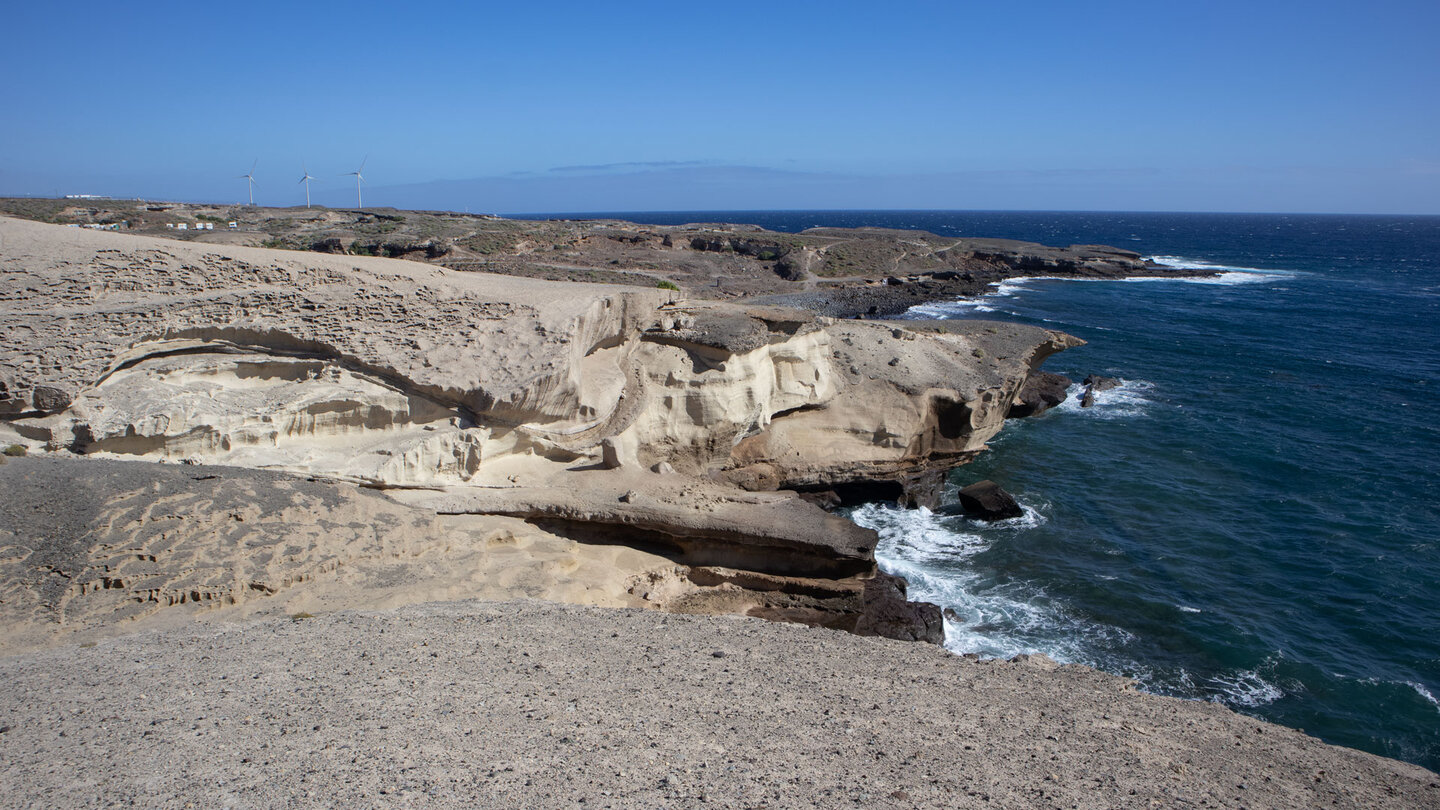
(704, 433)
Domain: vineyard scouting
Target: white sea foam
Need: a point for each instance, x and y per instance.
(1188, 609)
(995, 621)
(1130, 398)
(1245, 688)
(943, 310)
(1424, 693)
(1030, 518)
(1227, 274)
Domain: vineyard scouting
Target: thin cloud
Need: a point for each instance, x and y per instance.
(644, 164)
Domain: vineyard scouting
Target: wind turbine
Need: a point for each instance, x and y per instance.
(306, 180)
(359, 178)
(250, 177)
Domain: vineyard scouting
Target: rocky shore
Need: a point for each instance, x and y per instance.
(707, 433)
(839, 272)
(208, 438)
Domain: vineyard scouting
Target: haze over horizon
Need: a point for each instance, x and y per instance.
(642, 106)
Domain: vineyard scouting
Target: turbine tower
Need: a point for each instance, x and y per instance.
(306, 180)
(359, 178)
(249, 177)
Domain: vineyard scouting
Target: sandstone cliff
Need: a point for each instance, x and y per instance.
(598, 413)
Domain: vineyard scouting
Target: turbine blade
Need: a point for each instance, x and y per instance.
(362, 164)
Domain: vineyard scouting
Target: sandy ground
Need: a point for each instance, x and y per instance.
(539, 705)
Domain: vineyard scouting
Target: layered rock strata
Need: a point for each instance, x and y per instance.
(603, 414)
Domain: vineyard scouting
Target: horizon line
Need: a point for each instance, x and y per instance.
(561, 214)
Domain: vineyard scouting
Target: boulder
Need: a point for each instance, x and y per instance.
(985, 500)
(1096, 382)
(888, 614)
(1041, 392)
(50, 399)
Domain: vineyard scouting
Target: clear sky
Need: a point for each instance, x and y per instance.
(1210, 105)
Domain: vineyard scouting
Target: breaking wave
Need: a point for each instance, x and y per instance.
(1424, 693)
(1226, 274)
(1130, 399)
(994, 620)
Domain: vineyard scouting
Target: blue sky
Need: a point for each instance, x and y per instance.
(1213, 106)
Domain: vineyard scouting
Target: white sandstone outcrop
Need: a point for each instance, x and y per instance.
(544, 401)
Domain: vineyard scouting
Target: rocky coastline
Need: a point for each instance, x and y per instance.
(712, 434)
(207, 433)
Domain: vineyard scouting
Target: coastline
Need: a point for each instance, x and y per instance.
(707, 340)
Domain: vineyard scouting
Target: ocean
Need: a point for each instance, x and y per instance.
(1253, 516)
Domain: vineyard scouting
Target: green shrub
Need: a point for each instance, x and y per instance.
(667, 285)
(15, 450)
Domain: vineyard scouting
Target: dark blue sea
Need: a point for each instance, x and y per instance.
(1253, 517)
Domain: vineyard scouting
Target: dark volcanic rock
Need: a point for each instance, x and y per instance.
(1097, 383)
(888, 614)
(1041, 392)
(987, 501)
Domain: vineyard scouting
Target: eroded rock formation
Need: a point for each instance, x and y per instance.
(604, 414)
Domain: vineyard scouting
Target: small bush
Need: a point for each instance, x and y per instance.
(667, 285)
(15, 450)
(300, 617)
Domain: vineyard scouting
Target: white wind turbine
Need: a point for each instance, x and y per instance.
(359, 178)
(306, 180)
(249, 177)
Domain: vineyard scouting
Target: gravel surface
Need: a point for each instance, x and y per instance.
(538, 705)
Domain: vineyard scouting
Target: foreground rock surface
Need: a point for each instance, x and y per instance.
(503, 705)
